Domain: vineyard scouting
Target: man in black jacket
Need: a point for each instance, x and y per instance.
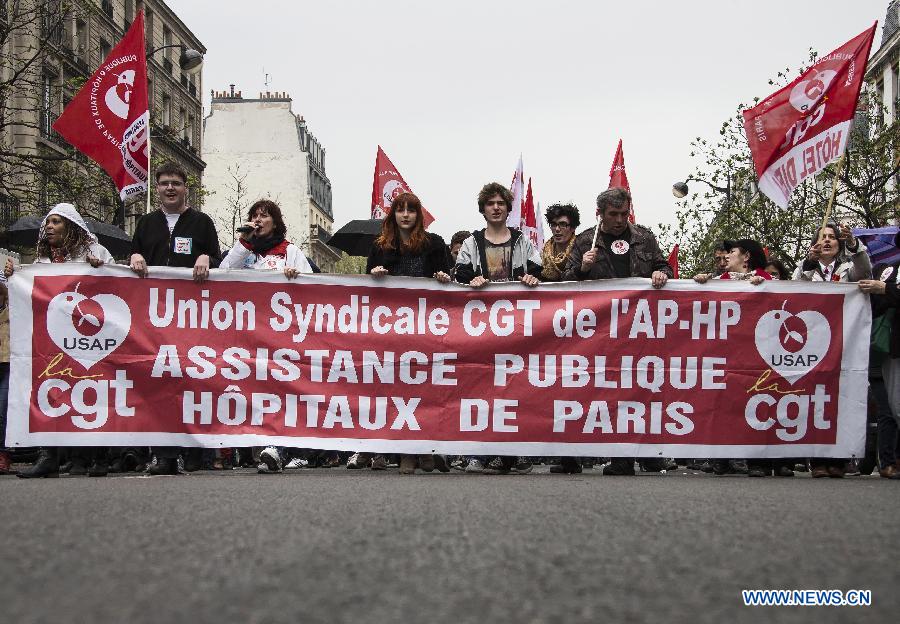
(621, 249)
(174, 236)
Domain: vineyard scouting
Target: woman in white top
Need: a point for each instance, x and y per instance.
(65, 237)
(262, 246)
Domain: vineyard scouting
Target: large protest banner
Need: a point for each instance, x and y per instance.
(605, 368)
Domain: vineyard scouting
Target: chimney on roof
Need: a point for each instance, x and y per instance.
(232, 90)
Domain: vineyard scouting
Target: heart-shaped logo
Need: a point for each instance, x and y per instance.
(792, 344)
(87, 329)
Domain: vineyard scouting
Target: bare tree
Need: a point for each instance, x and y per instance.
(237, 203)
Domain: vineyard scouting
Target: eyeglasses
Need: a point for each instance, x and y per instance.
(560, 224)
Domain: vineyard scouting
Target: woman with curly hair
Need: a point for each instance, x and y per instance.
(563, 220)
(65, 237)
(405, 249)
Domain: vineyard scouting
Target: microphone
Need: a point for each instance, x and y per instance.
(245, 229)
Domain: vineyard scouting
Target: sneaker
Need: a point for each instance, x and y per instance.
(270, 459)
(379, 463)
(296, 464)
(474, 466)
(356, 462)
(459, 464)
(523, 465)
(497, 466)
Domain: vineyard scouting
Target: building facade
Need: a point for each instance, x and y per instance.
(883, 70)
(258, 148)
(49, 48)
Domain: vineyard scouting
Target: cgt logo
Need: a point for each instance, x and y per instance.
(87, 329)
(792, 345)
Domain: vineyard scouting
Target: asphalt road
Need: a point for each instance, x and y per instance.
(356, 546)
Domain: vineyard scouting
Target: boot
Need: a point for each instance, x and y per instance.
(408, 464)
(620, 467)
(5, 463)
(99, 468)
(47, 465)
(164, 466)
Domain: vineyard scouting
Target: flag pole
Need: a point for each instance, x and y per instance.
(834, 185)
(596, 231)
(147, 210)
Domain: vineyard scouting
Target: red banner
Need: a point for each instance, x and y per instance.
(604, 368)
(797, 131)
(108, 120)
(388, 183)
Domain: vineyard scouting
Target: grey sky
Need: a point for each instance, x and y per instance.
(455, 91)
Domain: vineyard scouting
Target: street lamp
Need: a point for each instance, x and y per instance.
(190, 59)
(680, 189)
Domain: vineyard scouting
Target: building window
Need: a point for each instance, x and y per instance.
(167, 111)
(182, 119)
(148, 29)
(895, 90)
(129, 11)
(190, 130)
(167, 40)
(81, 37)
(46, 107)
(105, 49)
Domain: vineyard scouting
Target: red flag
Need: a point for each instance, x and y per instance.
(618, 177)
(388, 183)
(673, 261)
(798, 130)
(530, 223)
(516, 217)
(109, 120)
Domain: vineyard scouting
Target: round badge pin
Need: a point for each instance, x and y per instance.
(886, 274)
(620, 247)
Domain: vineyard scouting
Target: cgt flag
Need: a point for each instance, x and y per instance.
(388, 183)
(109, 120)
(618, 177)
(796, 132)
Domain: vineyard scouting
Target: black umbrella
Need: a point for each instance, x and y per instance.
(25, 231)
(356, 237)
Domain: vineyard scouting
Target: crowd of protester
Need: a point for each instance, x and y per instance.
(176, 235)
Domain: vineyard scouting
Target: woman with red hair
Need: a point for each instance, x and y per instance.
(405, 249)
